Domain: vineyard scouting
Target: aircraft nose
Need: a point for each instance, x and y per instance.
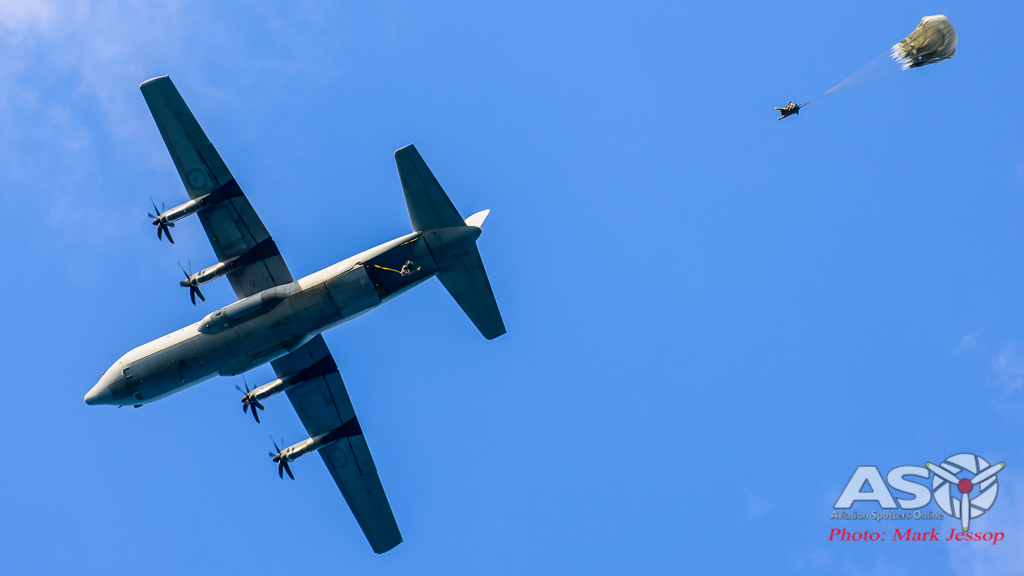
(99, 394)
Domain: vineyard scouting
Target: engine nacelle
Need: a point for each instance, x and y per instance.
(296, 451)
(263, 250)
(271, 389)
(209, 274)
(323, 367)
(225, 192)
(186, 209)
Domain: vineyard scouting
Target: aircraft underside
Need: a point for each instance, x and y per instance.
(279, 320)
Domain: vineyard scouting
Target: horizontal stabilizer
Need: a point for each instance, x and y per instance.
(429, 207)
(466, 280)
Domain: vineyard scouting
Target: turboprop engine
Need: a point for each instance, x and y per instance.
(325, 366)
(296, 451)
(261, 251)
(165, 219)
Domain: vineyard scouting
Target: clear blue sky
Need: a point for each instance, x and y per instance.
(713, 317)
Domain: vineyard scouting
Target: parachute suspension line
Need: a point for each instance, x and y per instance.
(877, 68)
(934, 40)
(812, 100)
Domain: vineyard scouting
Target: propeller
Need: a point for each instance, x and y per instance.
(282, 462)
(161, 226)
(247, 400)
(193, 288)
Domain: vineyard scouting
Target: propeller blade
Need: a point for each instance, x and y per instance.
(193, 288)
(168, 232)
(942, 473)
(965, 511)
(245, 398)
(248, 400)
(280, 469)
(988, 473)
(287, 469)
(159, 232)
(275, 444)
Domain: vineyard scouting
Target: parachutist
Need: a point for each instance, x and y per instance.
(407, 268)
(788, 110)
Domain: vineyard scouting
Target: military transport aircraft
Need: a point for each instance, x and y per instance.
(280, 320)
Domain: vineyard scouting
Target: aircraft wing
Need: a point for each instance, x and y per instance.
(235, 231)
(231, 224)
(323, 405)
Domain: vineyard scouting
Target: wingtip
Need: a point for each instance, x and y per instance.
(154, 79)
(381, 549)
(403, 149)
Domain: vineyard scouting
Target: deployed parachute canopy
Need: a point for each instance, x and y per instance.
(934, 40)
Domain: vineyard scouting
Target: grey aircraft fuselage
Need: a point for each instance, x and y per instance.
(268, 325)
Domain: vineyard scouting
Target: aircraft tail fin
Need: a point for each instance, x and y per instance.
(429, 207)
(454, 245)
